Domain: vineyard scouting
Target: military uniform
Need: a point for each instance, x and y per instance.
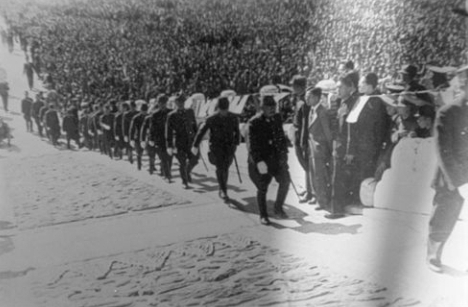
(451, 135)
(107, 124)
(268, 143)
(181, 126)
(118, 134)
(224, 138)
(157, 135)
(127, 120)
(135, 135)
(150, 150)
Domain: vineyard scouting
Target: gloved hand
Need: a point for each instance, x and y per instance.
(143, 144)
(117, 138)
(151, 143)
(169, 151)
(194, 150)
(262, 168)
(132, 143)
(126, 139)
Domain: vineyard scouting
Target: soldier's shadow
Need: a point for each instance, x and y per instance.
(9, 148)
(204, 184)
(249, 205)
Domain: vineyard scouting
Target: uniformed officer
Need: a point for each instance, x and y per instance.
(84, 129)
(127, 120)
(118, 130)
(157, 136)
(451, 136)
(42, 112)
(106, 122)
(150, 150)
(134, 135)
(268, 157)
(224, 139)
(182, 126)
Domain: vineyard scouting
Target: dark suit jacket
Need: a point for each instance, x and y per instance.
(451, 135)
(181, 125)
(320, 133)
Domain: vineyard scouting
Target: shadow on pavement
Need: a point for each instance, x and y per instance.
(205, 184)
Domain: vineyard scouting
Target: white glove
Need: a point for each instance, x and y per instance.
(99, 132)
(126, 139)
(116, 138)
(463, 190)
(143, 144)
(105, 126)
(151, 143)
(194, 150)
(262, 168)
(169, 151)
(175, 150)
(132, 143)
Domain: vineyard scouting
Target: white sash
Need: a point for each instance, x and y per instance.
(357, 109)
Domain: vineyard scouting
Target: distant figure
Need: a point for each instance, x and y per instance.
(70, 126)
(4, 131)
(52, 124)
(26, 109)
(29, 71)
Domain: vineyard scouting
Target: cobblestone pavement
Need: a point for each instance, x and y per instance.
(50, 190)
(224, 270)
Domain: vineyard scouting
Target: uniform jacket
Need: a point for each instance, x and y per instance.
(157, 128)
(181, 125)
(70, 125)
(301, 123)
(135, 127)
(52, 120)
(451, 135)
(320, 131)
(127, 120)
(267, 141)
(224, 131)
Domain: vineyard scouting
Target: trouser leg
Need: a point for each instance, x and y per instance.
(261, 182)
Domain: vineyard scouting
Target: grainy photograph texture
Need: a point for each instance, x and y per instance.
(233, 153)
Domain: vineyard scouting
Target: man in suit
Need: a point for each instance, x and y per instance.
(345, 191)
(118, 129)
(52, 124)
(70, 126)
(268, 157)
(157, 137)
(321, 147)
(451, 136)
(224, 139)
(36, 108)
(182, 126)
(26, 108)
(106, 122)
(301, 125)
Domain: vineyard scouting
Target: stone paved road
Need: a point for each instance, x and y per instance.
(224, 270)
(66, 187)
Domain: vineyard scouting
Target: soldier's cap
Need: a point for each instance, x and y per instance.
(395, 88)
(299, 80)
(426, 111)
(316, 91)
(162, 98)
(409, 70)
(268, 101)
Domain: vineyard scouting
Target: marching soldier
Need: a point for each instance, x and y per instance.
(157, 137)
(181, 126)
(127, 120)
(451, 136)
(268, 157)
(118, 130)
(135, 133)
(42, 113)
(224, 139)
(106, 122)
(150, 150)
(84, 129)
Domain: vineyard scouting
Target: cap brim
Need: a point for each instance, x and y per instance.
(462, 69)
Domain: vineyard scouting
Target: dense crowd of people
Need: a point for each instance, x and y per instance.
(104, 63)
